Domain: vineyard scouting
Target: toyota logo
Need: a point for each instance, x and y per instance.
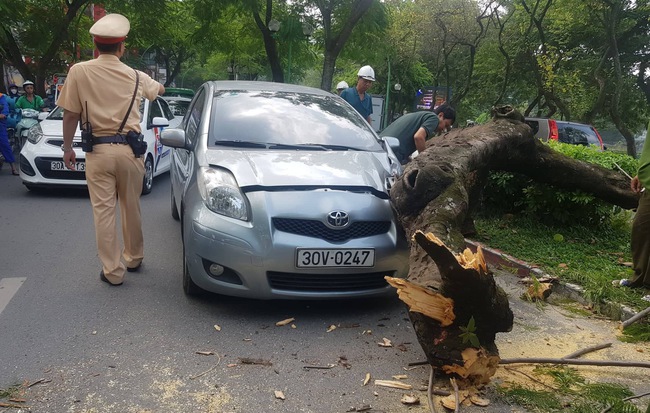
(338, 219)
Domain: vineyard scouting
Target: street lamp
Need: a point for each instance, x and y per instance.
(289, 35)
(398, 88)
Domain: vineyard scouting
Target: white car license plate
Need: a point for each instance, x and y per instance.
(60, 166)
(314, 258)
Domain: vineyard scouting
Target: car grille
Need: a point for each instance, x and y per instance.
(43, 166)
(317, 229)
(324, 283)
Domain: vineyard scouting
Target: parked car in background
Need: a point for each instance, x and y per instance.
(566, 132)
(283, 192)
(41, 158)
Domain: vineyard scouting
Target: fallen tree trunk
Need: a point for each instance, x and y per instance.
(433, 200)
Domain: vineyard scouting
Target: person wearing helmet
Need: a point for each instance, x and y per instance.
(29, 100)
(102, 92)
(357, 96)
(414, 129)
(6, 154)
(13, 92)
(341, 86)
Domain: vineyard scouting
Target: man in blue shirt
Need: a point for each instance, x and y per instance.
(358, 97)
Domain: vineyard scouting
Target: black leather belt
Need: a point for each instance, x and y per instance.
(109, 139)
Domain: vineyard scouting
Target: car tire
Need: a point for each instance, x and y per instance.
(189, 287)
(174, 210)
(147, 180)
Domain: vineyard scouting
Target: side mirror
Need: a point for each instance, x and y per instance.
(159, 122)
(174, 138)
(392, 142)
(42, 116)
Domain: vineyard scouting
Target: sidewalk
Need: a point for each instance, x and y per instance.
(500, 260)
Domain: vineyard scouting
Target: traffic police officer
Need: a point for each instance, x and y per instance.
(100, 92)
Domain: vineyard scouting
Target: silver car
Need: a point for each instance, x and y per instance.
(283, 192)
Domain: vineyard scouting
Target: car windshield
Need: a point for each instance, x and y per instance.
(288, 120)
(56, 113)
(179, 107)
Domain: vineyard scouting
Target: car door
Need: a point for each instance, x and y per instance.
(161, 154)
(183, 158)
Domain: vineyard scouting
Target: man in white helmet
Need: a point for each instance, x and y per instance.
(341, 86)
(358, 96)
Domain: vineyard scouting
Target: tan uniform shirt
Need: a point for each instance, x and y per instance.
(107, 85)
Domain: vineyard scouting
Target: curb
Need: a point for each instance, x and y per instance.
(501, 260)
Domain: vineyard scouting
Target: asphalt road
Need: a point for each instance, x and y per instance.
(134, 348)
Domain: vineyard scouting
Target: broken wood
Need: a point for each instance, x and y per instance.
(635, 318)
(329, 366)
(13, 406)
(614, 363)
(394, 384)
(468, 292)
(246, 360)
(436, 196)
(591, 349)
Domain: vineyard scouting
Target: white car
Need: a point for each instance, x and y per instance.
(41, 159)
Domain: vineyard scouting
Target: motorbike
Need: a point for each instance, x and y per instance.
(28, 119)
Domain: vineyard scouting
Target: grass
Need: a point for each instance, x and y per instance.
(571, 393)
(11, 391)
(587, 256)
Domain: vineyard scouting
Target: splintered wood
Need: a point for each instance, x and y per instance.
(467, 259)
(424, 301)
(477, 366)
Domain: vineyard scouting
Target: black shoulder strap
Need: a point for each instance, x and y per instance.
(137, 83)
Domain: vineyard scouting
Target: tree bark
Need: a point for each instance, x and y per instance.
(433, 199)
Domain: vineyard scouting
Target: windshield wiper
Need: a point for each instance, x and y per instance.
(312, 146)
(240, 144)
(307, 146)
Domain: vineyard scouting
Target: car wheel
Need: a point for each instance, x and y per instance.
(147, 181)
(189, 287)
(174, 210)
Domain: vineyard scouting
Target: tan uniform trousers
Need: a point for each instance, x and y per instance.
(113, 174)
(641, 243)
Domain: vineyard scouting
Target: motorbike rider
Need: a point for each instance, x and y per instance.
(30, 100)
(14, 117)
(13, 92)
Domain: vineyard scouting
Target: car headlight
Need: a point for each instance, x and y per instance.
(35, 134)
(221, 193)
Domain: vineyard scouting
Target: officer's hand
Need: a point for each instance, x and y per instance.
(636, 184)
(70, 159)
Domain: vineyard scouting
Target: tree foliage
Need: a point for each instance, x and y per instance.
(581, 60)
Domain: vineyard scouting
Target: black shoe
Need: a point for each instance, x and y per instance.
(134, 269)
(103, 278)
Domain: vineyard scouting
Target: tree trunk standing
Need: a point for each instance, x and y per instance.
(269, 43)
(435, 194)
(334, 42)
